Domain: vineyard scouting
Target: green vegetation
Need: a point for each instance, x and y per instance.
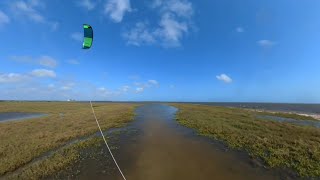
(22, 141)
(59, 160)
(278, 144)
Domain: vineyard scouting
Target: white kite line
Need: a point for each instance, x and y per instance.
(95, 117)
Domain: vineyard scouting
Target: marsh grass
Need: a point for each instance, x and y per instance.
(278, 144)
(22, 141)
(56, 162)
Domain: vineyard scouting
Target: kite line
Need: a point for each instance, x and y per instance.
(87, 43)
(105, 141)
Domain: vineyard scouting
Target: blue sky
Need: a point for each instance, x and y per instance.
(167, 50)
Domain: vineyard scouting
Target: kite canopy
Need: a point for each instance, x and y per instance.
(88, 36)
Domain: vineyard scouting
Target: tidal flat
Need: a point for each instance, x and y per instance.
(23, 141)
(278, 144)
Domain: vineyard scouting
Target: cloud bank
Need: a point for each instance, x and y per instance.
(174, 23)
(45, 60)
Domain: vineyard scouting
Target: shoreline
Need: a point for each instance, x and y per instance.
(314, 116)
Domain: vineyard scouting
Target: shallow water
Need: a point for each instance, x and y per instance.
(16, 116)
(293, 121)
(160, 149)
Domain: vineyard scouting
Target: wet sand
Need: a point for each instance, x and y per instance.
(163, 150)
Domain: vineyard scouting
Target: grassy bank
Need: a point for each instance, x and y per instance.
(56, 162)
(278, 144)
(22, 141)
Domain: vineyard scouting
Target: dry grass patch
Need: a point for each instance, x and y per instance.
(22, 141)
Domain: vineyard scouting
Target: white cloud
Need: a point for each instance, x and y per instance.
(77, 36)
(12, 78)
(67, 86)
(31, 10)
(125, 89)
(266, 43)
(153, 83)
(87, 4)
(141, 87)
(134, 77)
(54, 25)
(171, 30)
(38, 3)
(32, 90)
(26, 77)
(104, 92)
(116, 9)
(103, 89)
(22, 59)
(51, 86)
(48, 61)
(43, 73)
(182, 8)
(27, 9)
(26, 86)
(4, 19)
(175, 22)
(224, 78)
(139, 90)
(73, 61)
(240, 29)
(139, 35)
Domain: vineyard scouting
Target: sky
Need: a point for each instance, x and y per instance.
(161, 50)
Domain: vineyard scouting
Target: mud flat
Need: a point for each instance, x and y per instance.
(220, 144)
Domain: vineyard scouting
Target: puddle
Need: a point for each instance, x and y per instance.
(290, 120)
(17, 116)
(155, 147)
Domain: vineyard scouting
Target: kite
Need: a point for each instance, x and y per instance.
(88, 36)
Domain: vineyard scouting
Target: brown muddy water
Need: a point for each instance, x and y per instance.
(155, 147)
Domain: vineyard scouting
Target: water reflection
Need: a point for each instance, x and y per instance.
(16, 116)
(290, 120)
